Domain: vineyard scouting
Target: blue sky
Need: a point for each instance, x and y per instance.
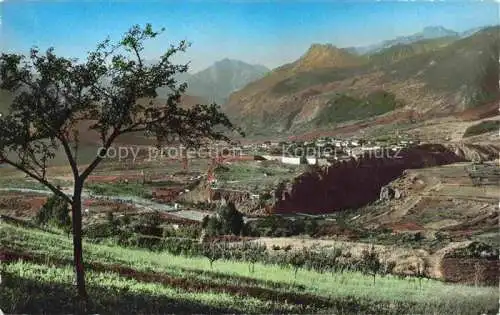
(261, 32)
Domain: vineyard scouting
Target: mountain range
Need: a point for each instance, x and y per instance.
(429, 32)
(431, 73)
(330, 86)
(215, 83)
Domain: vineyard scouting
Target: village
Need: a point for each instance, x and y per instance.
(325, 150)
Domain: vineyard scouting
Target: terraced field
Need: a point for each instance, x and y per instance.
(119, 279)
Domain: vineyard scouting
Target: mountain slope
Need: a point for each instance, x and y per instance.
(402, 51)
(317, 58)
(221, 79)
(431, 77)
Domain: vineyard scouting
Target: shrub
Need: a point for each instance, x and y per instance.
(227, 221)
(276, 226)
(370, 263)
(110, 218)
(100, 230)
(311, 227)
(55, 213)
(213, 252)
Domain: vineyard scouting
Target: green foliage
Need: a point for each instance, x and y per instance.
(343, 107)
(370, 263)
(213, 252)
(311, 227)
(178, 283)
(110, 218)
(482, 127)
(227, 221)
(475, 250)
(184, 231)
(100, 230)
(279, 226)
(55, 213)
(114, 89)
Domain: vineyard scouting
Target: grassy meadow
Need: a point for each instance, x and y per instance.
(120, 279)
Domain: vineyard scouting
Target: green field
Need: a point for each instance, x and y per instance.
(256, 176)
(130, 280)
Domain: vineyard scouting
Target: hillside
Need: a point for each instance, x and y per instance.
(421, 78)
(218, 81)
(401, 51)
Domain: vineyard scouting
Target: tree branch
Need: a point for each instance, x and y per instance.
(39, 179)
(69, 155)
(98, 158)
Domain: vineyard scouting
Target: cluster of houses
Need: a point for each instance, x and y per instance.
(323, 151)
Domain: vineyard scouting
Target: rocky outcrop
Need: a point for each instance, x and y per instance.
(355, 183)
(389, 193)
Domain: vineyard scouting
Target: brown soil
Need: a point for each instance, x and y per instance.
(21, 206)
(164, 194)
(401, 227)
(471, 270)
(332, 229)
(437, 199)
(485, 111)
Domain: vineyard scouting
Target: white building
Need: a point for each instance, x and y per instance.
(290, 160)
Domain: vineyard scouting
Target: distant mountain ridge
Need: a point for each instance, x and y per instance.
(217, 82)
(429, 32)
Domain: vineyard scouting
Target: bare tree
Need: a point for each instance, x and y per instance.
(113, 89)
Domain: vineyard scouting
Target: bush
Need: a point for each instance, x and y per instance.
(311, 227)
(54, 212)
(227, 221)
(186, 231)
(277, 226)
(370, 263)
(100, 230)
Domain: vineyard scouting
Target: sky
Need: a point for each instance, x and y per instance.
(270, 33)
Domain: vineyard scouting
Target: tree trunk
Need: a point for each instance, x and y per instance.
(77, 240)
